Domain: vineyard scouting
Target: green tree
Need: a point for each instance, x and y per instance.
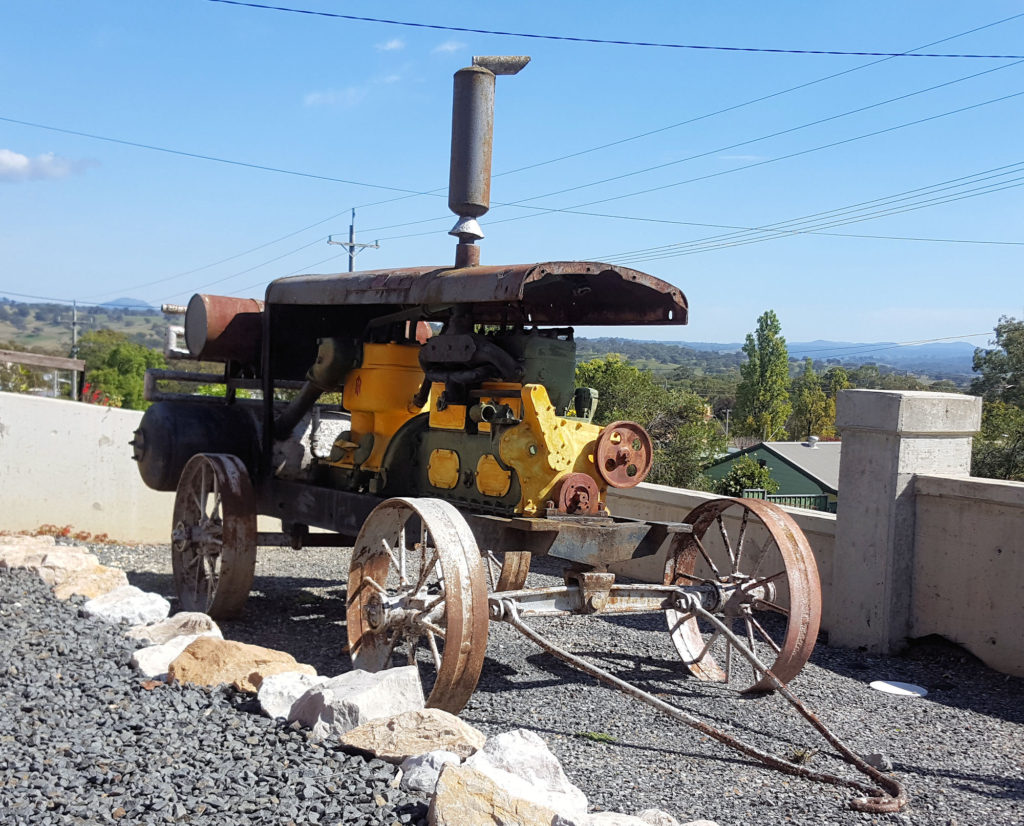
(1002, 366)
(625, 392)
(745, 474)
(762, 398)
(999, 448)
(116, 366)
(684, 436)
(810, 406)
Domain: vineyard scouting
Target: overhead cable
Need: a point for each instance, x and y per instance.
(571, 39)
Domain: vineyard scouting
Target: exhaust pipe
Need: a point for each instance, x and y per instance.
(469, 180)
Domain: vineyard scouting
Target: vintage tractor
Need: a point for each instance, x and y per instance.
(428, 418)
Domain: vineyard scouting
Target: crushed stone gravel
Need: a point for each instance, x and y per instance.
(959, 752)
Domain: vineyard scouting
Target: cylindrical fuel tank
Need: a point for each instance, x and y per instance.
(172, 432)
(222, 328)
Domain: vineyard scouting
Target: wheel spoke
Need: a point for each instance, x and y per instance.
(707, 558)
(750, 639)
(765, 634)
(772, 606)
(739, 541)
(399, 565)
(707, 646)
(425, 571)
(433, 649)
(726, 542)
(403, 575)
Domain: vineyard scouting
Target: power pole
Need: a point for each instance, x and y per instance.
(74, 349)
(351, 243)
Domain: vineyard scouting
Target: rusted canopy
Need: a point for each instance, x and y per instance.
(559, 292)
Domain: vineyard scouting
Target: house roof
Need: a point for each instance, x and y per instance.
(820, 461)
(817, 460)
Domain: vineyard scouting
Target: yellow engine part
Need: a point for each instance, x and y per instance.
(544, 447)
(443, 469)
(379, 396)
(491, 479)
(452, 417)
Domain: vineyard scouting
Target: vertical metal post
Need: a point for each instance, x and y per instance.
(352, 243)
(74, 349)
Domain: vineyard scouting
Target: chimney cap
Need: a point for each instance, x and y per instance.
(501, 64)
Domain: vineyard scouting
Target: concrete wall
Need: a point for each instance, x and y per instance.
(969, 566)
(69, 463)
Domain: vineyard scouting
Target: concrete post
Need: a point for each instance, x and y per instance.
(888, 437)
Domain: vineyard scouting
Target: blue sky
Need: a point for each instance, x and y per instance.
(371, 103)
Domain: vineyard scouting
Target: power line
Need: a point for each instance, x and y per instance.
(875, 133)
(880, 205)
(213, 158)
(770, 135)
(571, 39)
(752, 101)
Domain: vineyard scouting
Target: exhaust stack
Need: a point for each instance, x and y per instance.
(469, 180)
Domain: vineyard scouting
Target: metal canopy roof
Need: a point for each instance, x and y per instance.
(560, 292)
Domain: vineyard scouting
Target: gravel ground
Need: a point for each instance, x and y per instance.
(959, 752)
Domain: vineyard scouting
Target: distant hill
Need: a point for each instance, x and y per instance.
(47, 327)
(942, 360)
(129, 303)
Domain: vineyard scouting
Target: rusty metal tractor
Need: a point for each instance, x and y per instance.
(428, 418)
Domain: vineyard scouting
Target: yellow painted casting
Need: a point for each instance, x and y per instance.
(453, 417)
(546, 446)
(443, 469)
(491, 480)
(379, 396)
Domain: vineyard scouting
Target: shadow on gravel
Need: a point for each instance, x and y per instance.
(953, 676)
(988, 785)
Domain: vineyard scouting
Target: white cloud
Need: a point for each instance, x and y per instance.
(347, 97)
(449, 46)
(388, 79)
(392, 45)
(17, 167)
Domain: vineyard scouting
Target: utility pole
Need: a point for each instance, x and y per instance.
(727, 412)
(351, 243)
(74, 349)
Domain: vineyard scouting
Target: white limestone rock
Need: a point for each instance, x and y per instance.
(466, 796)
(53, 564)
(278, 692)
(153, 661)
(420, 772)
(521, 763)
(599, 819)
(656, 817)
(349, 700)
(128, 604)
(185, 623)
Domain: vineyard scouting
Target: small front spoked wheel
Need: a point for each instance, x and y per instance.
(213, 538)
(417, 595)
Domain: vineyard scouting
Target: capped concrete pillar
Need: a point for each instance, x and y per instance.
(888, 437)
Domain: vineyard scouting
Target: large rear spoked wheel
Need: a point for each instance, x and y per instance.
(417, 595)
(757, 557)
(213, 539)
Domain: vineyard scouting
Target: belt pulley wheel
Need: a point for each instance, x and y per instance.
(623, 454)
(762, 565)
(578, 494)
(213, 541)
(417, 595)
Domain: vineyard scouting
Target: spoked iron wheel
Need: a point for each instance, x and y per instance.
(213, 541)
(760, 560)
(417, 595)
(507, 571)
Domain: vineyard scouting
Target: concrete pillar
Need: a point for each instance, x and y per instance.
(888, 437)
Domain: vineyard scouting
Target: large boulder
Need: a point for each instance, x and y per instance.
(184, 623)
(521, 763)
(209, 661)
(154, 661)
(90, 582)
(23, 540)
(415, 732)
(466, 795)
(349, 700)
(278, 692)
(128, 604)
